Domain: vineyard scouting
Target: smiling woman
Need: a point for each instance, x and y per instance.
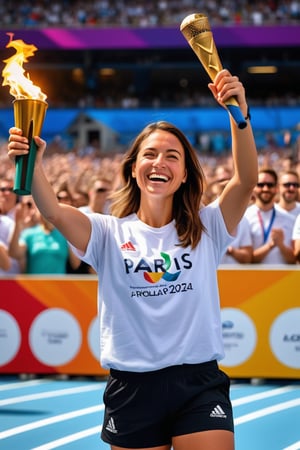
(159, 170)
(162, 152)
(161, 331)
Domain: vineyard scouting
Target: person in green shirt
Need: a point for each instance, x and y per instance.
(41, 246)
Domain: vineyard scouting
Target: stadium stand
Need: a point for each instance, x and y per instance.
(119, 60)
(142, 13)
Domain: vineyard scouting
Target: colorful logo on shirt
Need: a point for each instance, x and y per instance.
(154, 277)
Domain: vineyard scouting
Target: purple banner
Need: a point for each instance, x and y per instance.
(132, 38)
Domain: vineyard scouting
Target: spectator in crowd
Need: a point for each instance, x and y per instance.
(98, 196)
(6, 228)
(5, 262)
(216, 180)
(240, 249)
(67, 13)
(296, 238)
(223, 173)
(80, 198)
(149, 338)
(41, 246)
(289, 183)
(31, 216)
(8, 199)
(97, 203)
(271, 229)
(64, 195)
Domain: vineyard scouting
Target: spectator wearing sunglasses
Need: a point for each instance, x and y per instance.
(8, 199)
(289, 183)
(8, 202)
(271, 229)
(98, 197)
(8, 265)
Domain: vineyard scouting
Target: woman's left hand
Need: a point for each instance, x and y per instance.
(225, 86)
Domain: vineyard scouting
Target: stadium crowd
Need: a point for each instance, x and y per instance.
(142, 13)
(86, 180)
(86, 88)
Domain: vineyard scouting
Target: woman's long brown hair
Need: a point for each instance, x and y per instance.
(187, 199)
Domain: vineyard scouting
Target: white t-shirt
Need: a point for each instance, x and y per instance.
(158, 302)
(281, 220)
(85, 209)
(6, 229)
(241, 239)
(294, 212)
(296, 229)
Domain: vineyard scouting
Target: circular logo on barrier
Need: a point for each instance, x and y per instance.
(10, 337)
(239, 336)
(285, 338)
(55, 337)
(94, 338)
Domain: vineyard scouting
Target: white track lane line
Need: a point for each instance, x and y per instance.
(266, 411)
(295, 446)
(51, 420)
(70, 438)
(22, 384)
(49, 394)
(263, 395)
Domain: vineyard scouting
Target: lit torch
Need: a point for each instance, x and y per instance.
(29, 109)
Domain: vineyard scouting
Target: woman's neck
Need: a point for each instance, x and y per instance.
(155, 213)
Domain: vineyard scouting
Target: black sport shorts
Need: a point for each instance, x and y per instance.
(147, 409)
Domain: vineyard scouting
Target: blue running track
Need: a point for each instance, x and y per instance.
(45, 414)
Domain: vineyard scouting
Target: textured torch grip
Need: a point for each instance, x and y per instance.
(24, 170)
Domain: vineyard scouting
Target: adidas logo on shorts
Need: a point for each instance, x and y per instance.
(218, 412)
(111, 426)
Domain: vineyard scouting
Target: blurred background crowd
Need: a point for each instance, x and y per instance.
(33, 246)
(145, 73)
(143, 13)
(155, 78)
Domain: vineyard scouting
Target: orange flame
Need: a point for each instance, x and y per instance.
(14, 75)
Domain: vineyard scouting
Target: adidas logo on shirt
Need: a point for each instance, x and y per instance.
(111, 426)
(218, 412)
(128, 246)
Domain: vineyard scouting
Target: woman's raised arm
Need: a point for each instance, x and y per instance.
(73, 224)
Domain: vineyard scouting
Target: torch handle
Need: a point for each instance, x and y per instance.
(29, 117)
(25, 167)
(237, 115)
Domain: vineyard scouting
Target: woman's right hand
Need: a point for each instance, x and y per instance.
(18, 144)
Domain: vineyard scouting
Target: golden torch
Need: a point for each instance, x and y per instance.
(29, 110)
(196, 30)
